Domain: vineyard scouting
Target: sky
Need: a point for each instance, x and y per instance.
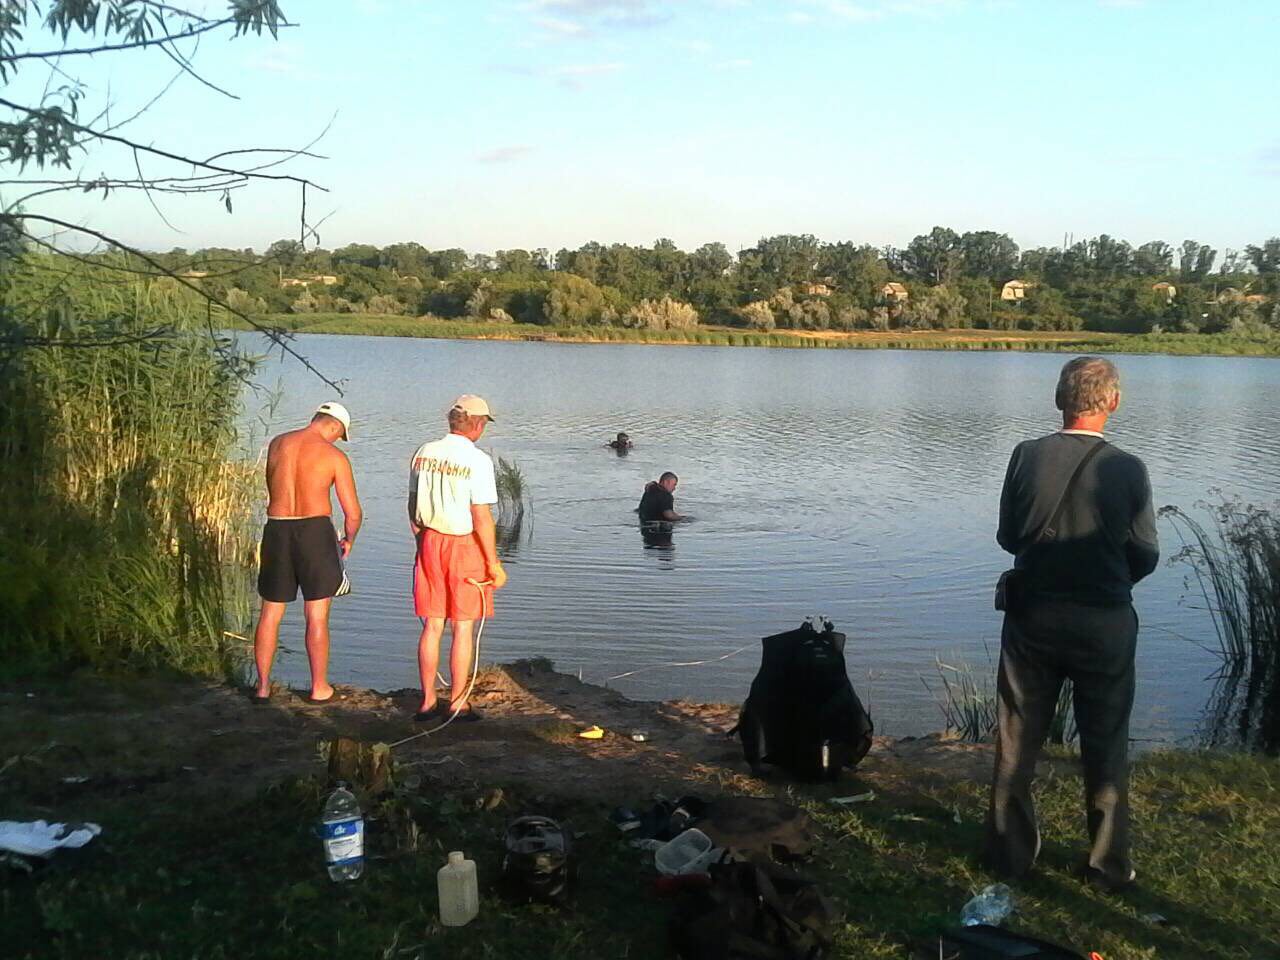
(492, 124)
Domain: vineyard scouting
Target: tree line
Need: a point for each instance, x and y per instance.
(940, 280)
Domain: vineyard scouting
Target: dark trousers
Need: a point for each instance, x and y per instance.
(1041, 646)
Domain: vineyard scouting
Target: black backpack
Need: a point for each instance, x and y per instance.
(753, 911)
(802, 713)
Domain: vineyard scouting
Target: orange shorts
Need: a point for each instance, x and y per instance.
(440, 573)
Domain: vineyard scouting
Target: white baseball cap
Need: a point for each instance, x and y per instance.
(470, 403)
(336, 410)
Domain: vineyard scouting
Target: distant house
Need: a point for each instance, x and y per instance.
(323, 278)
(894, 292)
(815, 288)
(1227, 295)
(1255, 298)
(1166, 288)
(1014, 290)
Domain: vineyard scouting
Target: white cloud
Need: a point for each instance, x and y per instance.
(737, 63)
(867, 11)
(575, 75)
(582, 18)
(504, 154)
(562, 27)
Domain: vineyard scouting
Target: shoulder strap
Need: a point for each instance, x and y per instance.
(1051, 528)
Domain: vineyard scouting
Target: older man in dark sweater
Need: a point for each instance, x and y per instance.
(1073, 619)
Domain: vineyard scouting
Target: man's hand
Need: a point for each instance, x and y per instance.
(497, 576)
(344, 547)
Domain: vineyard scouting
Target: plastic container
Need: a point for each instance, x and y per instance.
(690, 852)
(342, 831)
(989, 908)
(458, 891)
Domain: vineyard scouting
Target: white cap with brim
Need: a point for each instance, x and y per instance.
(470, 403)
(336, 410)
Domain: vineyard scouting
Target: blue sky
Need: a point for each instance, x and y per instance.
(489, 124)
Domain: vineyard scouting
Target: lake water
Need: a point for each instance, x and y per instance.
(859, 485)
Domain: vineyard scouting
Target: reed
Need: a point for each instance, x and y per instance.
(512, 501)
(1235, 564)
(969, 704)
(126, 523)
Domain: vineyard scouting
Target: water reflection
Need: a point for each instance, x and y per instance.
(657, 536)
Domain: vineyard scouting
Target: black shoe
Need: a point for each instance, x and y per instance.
(1096, 878)
(437, 711)
(467, 714)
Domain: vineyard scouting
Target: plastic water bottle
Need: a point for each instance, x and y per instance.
(458, 891)
(342, 830)
(990, 907)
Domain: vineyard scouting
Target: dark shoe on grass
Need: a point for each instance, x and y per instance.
(1108, 885)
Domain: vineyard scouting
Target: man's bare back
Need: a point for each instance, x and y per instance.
(302, 467)
(298, 549)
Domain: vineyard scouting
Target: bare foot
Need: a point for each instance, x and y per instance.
(321, 692)
(263, 691)
(427, 705)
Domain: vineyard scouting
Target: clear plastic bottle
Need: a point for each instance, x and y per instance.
(458, 891)
(342, 831)
(989, 907)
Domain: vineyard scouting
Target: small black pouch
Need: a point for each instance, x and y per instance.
(1008, 589)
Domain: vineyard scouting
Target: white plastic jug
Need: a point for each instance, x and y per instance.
(690, 852)
(458, 891)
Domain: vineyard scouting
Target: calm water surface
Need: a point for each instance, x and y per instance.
(860, 485)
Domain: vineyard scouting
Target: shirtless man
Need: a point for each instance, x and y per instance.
(299, 548)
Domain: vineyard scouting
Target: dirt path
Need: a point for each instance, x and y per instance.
(96, 737)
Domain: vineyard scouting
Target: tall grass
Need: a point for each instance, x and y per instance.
(126, 528)
(1235, 563)
(969, 704)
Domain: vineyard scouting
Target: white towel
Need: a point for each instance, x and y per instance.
(41, 839)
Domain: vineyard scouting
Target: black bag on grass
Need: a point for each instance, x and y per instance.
(983, 942)
(802, 713)
(752, 912)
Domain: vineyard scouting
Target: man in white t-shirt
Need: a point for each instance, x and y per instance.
(451, 487)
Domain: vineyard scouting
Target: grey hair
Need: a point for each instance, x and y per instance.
(1086, 385)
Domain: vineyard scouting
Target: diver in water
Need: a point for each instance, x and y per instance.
(658, 504)
(622, 444)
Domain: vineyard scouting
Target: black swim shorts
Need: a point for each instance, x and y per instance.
(299, 553)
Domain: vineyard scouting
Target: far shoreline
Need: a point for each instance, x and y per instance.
(427, 327)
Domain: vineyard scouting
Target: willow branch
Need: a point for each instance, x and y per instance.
(274, 334)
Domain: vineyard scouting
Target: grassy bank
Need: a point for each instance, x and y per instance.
(1190, 344)
(208, 849)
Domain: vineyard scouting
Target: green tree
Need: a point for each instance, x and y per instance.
(985, 253)
(1265, 259)
(1154, 259)
(1195, 261)
(859, 272)
(575, 301)
(934, 257)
